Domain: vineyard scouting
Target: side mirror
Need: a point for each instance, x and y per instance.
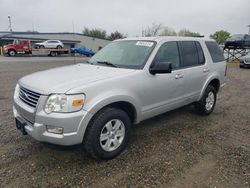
(160, 68)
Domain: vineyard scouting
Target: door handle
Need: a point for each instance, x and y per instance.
(205, 70)
(178, 76)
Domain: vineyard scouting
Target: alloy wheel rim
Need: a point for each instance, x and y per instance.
(210, 101)
(112, 135)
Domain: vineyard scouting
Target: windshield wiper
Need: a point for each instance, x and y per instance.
(106, 63)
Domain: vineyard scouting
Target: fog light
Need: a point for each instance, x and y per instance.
(55, 130)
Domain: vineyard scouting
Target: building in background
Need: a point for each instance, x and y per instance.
(70, 40)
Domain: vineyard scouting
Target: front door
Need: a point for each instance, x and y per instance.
(164, 91)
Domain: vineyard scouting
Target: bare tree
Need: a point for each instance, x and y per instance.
(167, 31)
(152, 30)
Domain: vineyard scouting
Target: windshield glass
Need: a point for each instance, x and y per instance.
(237, 37)
(126, 54)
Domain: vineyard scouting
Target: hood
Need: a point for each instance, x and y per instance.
(62, 79)
(8, 46)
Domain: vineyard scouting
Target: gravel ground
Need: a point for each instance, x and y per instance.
(176, 149)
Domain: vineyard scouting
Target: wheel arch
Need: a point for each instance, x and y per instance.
(214, 81)
(127, 105)
(12, 49)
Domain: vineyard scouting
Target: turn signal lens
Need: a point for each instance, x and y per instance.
(77, 102)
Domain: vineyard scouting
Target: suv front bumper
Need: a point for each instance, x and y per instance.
(73, 124)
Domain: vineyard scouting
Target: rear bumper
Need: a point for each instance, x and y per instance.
(73, 124)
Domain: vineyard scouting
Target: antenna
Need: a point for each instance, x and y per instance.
(10, 27)
(249, 29)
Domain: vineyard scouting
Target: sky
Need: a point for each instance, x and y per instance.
(127, 16)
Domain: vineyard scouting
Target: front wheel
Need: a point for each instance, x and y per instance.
(207, 103)
(12, 53)
(107, 134)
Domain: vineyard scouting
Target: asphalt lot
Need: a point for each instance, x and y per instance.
(176, 149)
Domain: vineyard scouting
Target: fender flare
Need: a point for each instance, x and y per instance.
(102, 102)
(211, 78)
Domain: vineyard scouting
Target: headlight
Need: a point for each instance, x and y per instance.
(64, 103)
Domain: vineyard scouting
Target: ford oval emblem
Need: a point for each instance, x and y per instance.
(25, 96)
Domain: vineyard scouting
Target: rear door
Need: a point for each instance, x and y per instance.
(194, 69)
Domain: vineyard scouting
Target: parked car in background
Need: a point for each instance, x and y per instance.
(238, 41)
(83, 51)
(50, 44)
(245, 61)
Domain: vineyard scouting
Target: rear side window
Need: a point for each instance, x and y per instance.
(200, 53)
(189, 53)
(215, 51)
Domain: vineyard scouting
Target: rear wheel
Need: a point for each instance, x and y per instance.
(59, 47)
(41, 46)
(53, 54)
(12, 53)
(107, 134)
(207, 103)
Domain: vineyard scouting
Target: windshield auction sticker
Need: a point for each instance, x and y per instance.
(144, 43)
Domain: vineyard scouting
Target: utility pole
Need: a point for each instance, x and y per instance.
(249, 29)
(10, 27)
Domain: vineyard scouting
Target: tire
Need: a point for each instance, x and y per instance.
(206, 104)
(53, 54)
(101, 124)
(12, 53)
(241, 66)
(41, 46)
(59, 47)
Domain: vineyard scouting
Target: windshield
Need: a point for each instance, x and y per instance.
(126, 54)
(237, 37)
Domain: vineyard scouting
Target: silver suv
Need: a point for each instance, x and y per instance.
(128, 81)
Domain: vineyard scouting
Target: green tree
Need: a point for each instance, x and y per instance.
(116, 35)
(220, 36)
(97, 33)
(187, 33)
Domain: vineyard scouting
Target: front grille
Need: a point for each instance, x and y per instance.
(29, 97)
(247, 61)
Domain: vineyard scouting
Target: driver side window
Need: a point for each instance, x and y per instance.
(168, 52)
